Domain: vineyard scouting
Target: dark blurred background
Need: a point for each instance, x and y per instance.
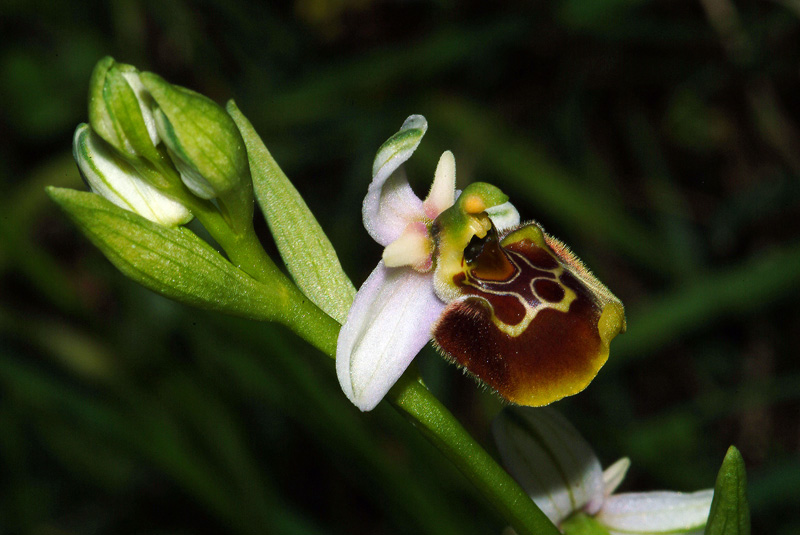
(658, 138)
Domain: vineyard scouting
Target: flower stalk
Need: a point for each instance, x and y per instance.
(439, 426)
(243, 249)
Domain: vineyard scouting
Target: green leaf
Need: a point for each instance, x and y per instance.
(730, 514)
(306, 250)
(170, 261)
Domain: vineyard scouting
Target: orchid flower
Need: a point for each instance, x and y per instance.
(561, 473)
(509, 303)
(392, 314)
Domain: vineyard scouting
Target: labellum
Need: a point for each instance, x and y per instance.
(524, 315)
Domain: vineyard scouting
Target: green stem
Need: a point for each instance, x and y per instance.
(236, 237)
(435, 422)
(439, 426)
(246, 253)
(244, 250)
(310, 322)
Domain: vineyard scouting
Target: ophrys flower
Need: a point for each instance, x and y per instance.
(509, 303)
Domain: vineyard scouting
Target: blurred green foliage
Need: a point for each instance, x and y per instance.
(659, 139)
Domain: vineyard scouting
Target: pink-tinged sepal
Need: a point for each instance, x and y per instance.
(391, 204)
(388, 324)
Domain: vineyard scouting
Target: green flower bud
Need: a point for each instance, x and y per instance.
(99, 115)
(119, 110)
(110, 176)
(202, 139)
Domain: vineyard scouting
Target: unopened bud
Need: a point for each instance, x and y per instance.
(110, 176)
(202, 139)
(119, 110)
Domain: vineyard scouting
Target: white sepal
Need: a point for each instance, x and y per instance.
(390, 203)
(388, 324)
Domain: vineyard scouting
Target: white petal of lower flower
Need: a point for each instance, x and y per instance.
(550, 460)
(390, 203)
(656, 512)
(388, 324)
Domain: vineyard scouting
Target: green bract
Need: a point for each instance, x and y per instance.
(304, 247)
(173, 262)
(118, 109)
(99, 115)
